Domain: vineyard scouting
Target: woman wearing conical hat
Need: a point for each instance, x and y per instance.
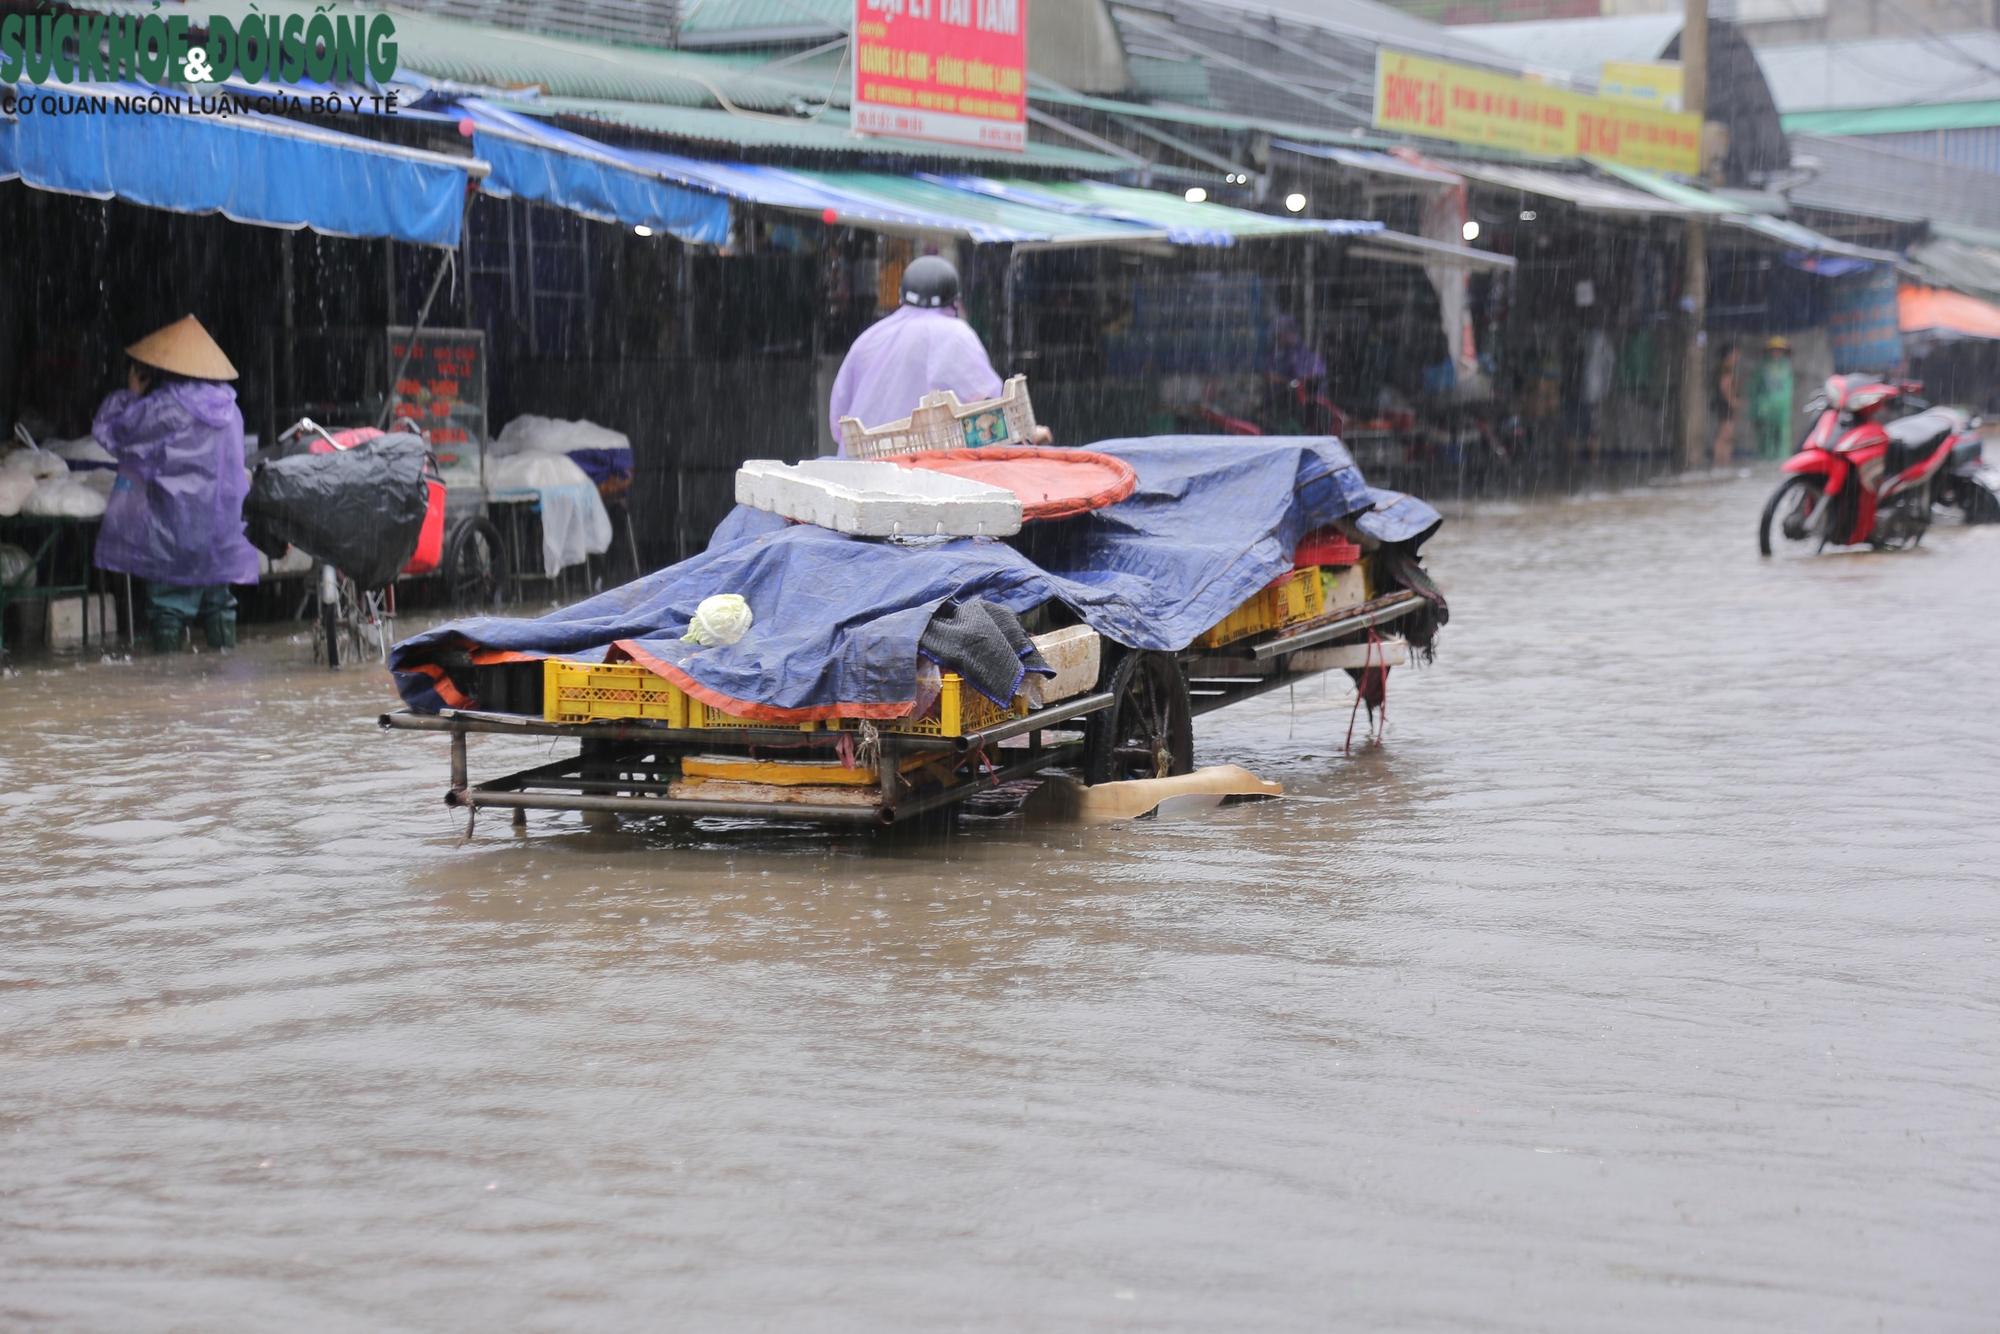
(175, 518)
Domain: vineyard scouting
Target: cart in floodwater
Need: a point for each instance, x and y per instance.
(1167, 607)
(1136, 723)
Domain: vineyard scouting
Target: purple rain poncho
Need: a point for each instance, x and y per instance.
(902, 357)
(176, 512)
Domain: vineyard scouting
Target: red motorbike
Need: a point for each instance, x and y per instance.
(1863, 475)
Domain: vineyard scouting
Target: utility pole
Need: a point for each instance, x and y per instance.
(1694, 282)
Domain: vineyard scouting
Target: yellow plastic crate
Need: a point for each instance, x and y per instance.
(960, 709)
(590, 692)
(1296, 597)
(707, 715)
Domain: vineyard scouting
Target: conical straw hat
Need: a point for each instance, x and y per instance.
(184, 348)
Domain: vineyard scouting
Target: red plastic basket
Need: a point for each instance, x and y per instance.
(430, 538)
(1326, 546)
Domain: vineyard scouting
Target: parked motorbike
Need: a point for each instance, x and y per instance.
(1864, 475)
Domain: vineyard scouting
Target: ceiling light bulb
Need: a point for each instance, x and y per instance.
(1470, 231)
(1196, 195)
(1527, 215)
(642, 231)
(1295, 203)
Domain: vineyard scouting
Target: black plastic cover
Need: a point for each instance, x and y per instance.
(360, 510)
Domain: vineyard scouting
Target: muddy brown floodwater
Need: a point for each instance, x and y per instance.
(1644, 980)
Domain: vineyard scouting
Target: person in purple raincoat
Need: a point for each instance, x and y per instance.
(175, 517)
(920, 348)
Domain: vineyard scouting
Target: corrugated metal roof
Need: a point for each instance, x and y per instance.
(827, 134)
(1374, 164)
(1578, 48)
(1854, 176)
(1698, 200)
(1175, 214)
(969, 209)
(1896, 120)
(1173, 113)
(650, 22)
(1367, 22)
(1956, 264)
(1883, 72)
(502, 58)
(1593, 196)
(704, 21)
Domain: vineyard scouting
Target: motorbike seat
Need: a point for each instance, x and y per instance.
(1913, 438)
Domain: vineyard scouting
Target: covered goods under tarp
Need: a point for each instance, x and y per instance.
(360, 510)
(838, 618)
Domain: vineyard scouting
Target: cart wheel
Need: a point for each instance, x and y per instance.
(1149, 732)
(475, 565)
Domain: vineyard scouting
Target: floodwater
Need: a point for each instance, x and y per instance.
(1644, 979)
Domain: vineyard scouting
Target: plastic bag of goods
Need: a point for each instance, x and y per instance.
(37, 463)
(360, 510)
(14, 564)
(83, 454)
(604, 455)
(15, 488)
(575, 523)
(66, 499)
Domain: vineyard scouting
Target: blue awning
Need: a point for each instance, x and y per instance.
(163, 152)
(548, 165)
(554, 166)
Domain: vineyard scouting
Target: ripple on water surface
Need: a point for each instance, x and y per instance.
(1642, 979)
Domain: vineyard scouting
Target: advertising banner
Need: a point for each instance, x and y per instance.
(951, 70)
(1863, 323)
(1440, 100)
(442, 392)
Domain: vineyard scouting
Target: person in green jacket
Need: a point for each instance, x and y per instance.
(1771, 400)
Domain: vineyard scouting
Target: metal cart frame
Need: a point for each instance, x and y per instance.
(628, 767)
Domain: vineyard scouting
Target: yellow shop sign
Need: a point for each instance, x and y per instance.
(1440, 100)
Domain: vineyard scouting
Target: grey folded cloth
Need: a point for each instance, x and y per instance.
(984, 643)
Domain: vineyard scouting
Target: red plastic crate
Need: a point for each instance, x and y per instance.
(1326, 546)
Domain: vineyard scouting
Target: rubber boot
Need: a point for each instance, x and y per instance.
(220, 627)
(167, 626)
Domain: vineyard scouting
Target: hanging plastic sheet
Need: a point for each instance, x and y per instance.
(162, 151)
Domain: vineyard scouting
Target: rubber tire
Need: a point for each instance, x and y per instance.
(1797, 481)
(1135, 678)
(1977, 503)
(469, 588)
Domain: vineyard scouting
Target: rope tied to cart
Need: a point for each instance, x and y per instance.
(1371, 686)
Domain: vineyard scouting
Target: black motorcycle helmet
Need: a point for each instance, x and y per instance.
(930, 282)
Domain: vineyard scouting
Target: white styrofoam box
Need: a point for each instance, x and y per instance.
(1347, 588)
(1390, 652)
(1075, 652)
(70, 617)
(871, 499)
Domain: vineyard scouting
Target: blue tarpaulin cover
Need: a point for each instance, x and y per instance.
(247, 167)
(838, 618)
(533, 160)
